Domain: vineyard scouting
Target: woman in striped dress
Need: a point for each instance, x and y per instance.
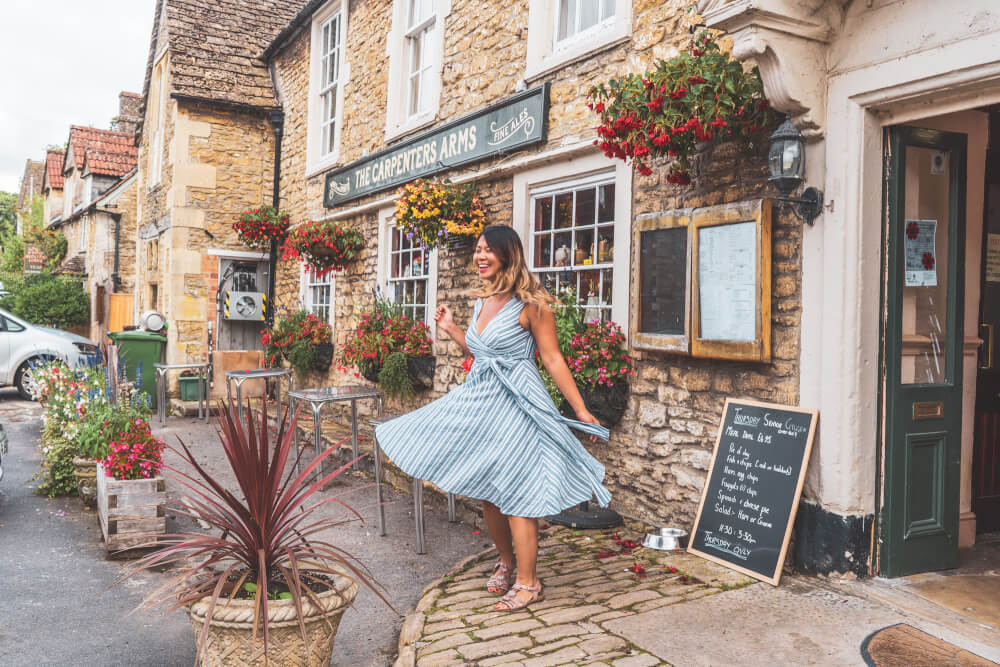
(498, 437)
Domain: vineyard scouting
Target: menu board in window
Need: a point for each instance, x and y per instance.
(731, 281)
(662, 259)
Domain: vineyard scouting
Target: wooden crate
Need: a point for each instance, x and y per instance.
(130, 510)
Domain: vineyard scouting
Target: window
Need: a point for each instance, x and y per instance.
(564, 31)
(572, 242)
(318, 295)
(576, 231)
(415, 47)
(407, 271)
(327, 79)
(82, 233)
(577, 16)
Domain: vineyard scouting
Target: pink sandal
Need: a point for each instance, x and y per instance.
(501, 580)
(510, 601)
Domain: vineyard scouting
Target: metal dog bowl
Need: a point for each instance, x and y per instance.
(667, 539)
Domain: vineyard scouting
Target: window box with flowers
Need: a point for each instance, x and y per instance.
(391, 349)
(699, 96)
(440, 212)
(302, 339)
(324, 247)
(257, 227)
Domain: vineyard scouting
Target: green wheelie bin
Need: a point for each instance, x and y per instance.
(145, 347)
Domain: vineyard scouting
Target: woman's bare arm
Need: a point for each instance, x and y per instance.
(446, 322)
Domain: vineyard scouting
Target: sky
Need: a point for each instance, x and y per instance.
(62, 63)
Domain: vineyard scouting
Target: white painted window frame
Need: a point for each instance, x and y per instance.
(316, 159)
(385, 217)
(306, 286)
(565, 175)
(398, 120)
(82, 233)
(545, 54)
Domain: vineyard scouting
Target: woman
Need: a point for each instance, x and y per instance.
(498, 437)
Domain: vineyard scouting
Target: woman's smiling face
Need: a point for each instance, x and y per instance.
(486, 261)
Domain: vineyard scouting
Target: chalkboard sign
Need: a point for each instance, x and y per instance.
(663, 280)
(754, 483)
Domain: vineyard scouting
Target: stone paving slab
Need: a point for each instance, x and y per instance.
(591, 578)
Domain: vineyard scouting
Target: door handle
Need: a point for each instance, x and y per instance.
(987, 345)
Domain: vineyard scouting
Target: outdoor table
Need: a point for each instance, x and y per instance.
(317, 398)
(161, 387)
(239, 377)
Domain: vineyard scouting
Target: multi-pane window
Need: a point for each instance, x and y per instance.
(407, 274)
(330, 56)
(419, 29)
(577, 16)
(318, 295)
(572, 242)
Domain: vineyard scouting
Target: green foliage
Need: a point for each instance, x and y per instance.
(104, 421)
(51, 301)
(52, 244)
(569, 322)
(12, 259)
(57, 463)
(303, 356)
(295, 337)
(393, 378)
(34, 215)
(8, 213)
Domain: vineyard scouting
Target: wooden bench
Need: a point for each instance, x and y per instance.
(418, 495)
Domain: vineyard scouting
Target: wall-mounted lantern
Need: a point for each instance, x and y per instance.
(786, 161)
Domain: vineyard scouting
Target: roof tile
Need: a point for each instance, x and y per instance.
(53, 168)
(105, 152)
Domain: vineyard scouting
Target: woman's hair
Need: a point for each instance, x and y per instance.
(514, 276)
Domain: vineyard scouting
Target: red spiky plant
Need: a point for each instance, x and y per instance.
(268, 536)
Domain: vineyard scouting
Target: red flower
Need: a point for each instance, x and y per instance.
(928, 261)
(678, 94)
(912, 229)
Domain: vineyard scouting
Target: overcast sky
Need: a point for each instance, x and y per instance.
(62, 63)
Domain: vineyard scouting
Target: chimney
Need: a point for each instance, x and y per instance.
(129, 105)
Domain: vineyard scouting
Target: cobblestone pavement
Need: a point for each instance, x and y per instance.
(589, 577)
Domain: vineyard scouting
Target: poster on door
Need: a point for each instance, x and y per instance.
(919, 253)
(993, 258)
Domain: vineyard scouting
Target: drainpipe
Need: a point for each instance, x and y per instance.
(278, 125)
(115, 278)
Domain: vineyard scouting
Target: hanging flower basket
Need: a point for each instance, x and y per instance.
(606, 403)
(300, 338)
(698, 96)
(257, 227)
(323, 246)
(439, 212)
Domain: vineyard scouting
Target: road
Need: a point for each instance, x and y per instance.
(60, 607)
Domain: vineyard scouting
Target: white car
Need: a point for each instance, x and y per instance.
(24, 345)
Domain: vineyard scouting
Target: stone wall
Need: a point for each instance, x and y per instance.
(658, 454)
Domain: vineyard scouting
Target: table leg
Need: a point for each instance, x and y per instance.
(354, 433)
(203, 395)
(451, 508)
(418, 513)
(160, 399)
(239, 399)
(379, 502)
(318, 436)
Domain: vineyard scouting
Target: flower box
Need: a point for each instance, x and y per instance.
(130, 510)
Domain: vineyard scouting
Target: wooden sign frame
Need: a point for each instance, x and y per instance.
(759, 212)
(775, 577)
(654, 341)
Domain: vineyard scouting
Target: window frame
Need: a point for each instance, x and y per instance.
(398, 120)
(82, 233)
(592, 169)
(316, 159)
(546, 53)
(383, 276)
(306, 285)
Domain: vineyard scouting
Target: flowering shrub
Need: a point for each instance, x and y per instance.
(135, 453)
(598, 357)
(257, 227)
(381, 332)
(324, 246)
(697, 96)
(295, 337)
(67, 394)
(434, 211)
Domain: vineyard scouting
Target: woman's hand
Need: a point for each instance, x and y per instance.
(585, 416)
(444, 318)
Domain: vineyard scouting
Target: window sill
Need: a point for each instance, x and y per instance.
(417, 123)
(556, 60)
(321, 166)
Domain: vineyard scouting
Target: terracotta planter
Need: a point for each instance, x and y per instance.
(85, 471)
(230, 631)
(606, 403)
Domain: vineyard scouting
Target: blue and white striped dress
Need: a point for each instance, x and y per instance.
(498, 436)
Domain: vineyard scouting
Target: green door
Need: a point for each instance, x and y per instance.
(922, 350)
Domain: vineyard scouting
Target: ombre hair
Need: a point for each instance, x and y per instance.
(513, 276)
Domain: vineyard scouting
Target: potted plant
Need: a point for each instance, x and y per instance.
(263, 587)
(100, 426)
(698, 96)
(437, 212)
(391, 349)
(258, 227)
(302, 339)
(323, 246)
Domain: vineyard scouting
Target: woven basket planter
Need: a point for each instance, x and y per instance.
(85, 471)
(230, 640)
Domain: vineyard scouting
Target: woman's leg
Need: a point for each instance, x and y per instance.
(499, 530)
(525, 535)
